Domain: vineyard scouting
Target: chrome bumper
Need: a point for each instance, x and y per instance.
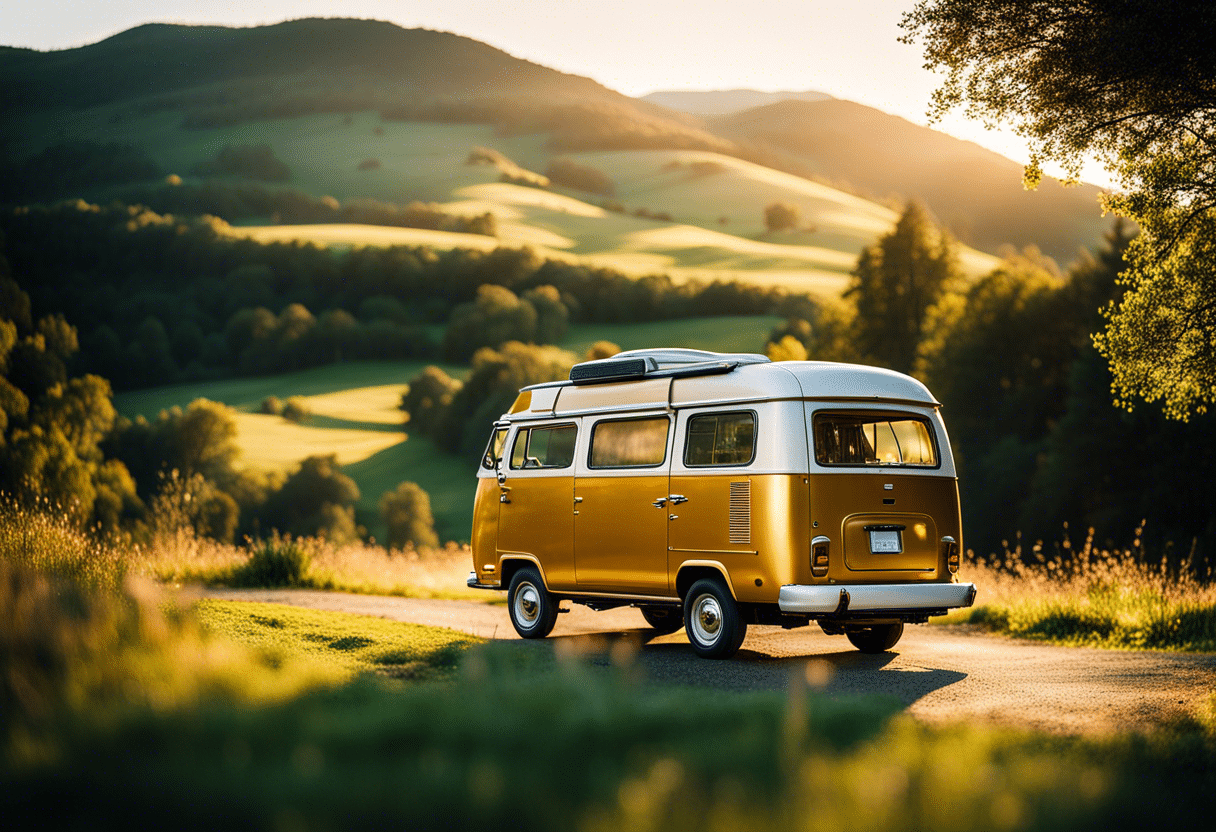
(473, 583)
(842, 598)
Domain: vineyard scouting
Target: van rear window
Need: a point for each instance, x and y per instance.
(860, 438)
(636, 443)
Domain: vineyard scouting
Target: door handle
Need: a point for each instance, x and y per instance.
(676, 499)
(659, 503)
(504, 491)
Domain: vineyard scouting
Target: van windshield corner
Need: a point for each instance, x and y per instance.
(498, 438)
(860, 438)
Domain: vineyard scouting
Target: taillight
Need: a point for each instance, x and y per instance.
(819, 556)
(950, 551)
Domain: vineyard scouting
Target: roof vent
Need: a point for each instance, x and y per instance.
(611, 369)
(675, 363)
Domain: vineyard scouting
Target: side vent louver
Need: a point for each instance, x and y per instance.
(741, 512)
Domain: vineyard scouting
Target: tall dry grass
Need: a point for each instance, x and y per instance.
(184, 558)
(1123, 598)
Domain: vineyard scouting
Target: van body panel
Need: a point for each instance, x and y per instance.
(616, 397)
(843, 504)
(538, 520)
(755, 525)
(484, 538)
(620, 536)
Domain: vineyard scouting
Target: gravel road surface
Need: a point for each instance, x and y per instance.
(942, 674)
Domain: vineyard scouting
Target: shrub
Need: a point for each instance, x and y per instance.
(407, 513)
(251, 161)
(279, 561)
(272, 406)
(571, 174)
(296, 409)
(780, 216)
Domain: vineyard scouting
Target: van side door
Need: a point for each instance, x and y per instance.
(536, 504)
(620, 493)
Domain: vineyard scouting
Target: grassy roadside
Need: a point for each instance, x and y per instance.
(119, 708)
(1096, 598)
(354, 643)
(566, 743)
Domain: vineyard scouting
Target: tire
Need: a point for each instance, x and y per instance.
(533, 610)
(711, 620)
(664, 620)
(876, 639)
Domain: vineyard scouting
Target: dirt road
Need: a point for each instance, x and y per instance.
(940, 673)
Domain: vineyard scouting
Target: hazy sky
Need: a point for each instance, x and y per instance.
(848, 48)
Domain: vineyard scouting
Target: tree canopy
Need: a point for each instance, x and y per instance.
(1133, 84)
(895, 282)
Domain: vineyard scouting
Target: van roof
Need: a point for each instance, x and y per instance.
(642, 379)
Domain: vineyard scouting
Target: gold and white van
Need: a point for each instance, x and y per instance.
(712, 491)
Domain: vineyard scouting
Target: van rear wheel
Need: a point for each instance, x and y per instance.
(533, 610)
(664, 620)
(877, 639)
(712, 621)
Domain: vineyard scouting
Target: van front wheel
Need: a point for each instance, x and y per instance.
(876, 639)
(712, 621)
(533, 610)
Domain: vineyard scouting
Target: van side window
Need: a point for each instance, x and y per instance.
(860, 438)
(547, 447)
(494, 449)
(632, 443)
(720, 439)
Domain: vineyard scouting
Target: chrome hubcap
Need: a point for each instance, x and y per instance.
(527, 604)
(706, 618)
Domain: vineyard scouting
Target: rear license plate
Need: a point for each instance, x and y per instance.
(885, 543)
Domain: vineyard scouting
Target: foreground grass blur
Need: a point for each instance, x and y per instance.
(120, 709)
(1094, 597)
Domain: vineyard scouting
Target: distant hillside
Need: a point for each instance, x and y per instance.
(326, 95)
(725, 102)
(974, 191)
(219, 75)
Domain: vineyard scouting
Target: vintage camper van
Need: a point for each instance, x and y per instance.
(712, 491)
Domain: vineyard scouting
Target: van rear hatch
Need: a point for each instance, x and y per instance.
(881, 492)
(888, 523)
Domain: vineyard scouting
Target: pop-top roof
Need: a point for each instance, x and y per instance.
(638, 364)
(685, 378)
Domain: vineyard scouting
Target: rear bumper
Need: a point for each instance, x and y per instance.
(837, 599)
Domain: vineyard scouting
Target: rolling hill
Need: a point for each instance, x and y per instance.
(331, 94)
(978, 194)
